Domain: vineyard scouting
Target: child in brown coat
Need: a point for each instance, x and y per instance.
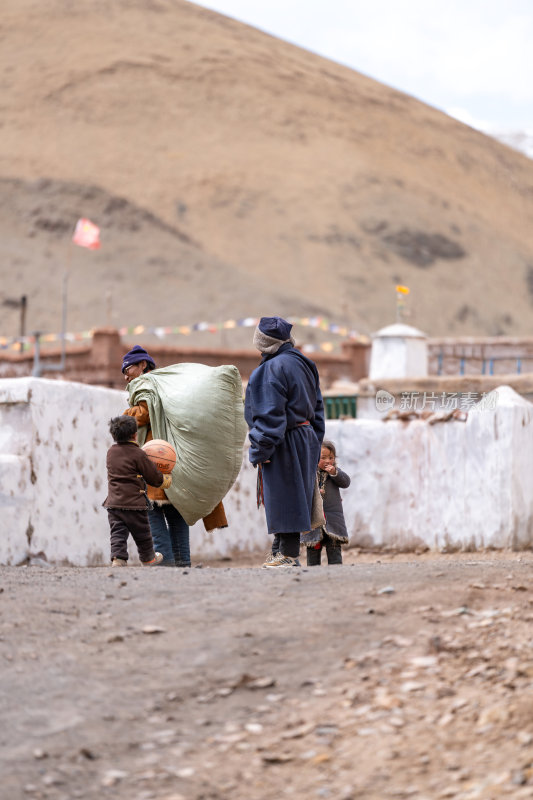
(129, 470)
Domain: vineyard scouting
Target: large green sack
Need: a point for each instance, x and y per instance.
(199, 410)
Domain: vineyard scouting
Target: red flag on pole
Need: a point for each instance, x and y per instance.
(87, 234)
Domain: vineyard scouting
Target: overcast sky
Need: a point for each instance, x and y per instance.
(470, 58)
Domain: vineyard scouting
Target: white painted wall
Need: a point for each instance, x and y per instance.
(53, 442)
(450, 485)
(54, 438)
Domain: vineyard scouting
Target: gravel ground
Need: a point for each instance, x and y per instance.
(390, 677)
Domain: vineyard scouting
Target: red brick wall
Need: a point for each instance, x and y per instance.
(99, 361)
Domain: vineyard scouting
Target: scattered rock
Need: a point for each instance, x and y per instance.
(149, 629)
(384, 699)
(173, 797)
(326, 730)
(518, 777)
(445, 720)
(113, 776)
(456, 612)
(424, 661)
(397, 641)
(412, 686)
(274, 698)
(255, 683)
(90, 755)
(52, 779)
(276, 758)
(320, 758)
(396, 722)
(254, 727)
(495, 714)
(436, 645)
(299, 732)
(185, 772)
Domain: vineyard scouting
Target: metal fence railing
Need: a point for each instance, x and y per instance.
(486, 365)
(340, 406)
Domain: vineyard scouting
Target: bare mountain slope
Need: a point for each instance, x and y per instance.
(146, 272)
(296, 183)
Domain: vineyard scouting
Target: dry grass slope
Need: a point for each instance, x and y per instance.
(234, 174)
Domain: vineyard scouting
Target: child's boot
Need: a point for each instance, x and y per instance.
(119, 562)
(154, 562)
(334, 551)
(314, 554)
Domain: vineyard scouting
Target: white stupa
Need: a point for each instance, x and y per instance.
(398, 351)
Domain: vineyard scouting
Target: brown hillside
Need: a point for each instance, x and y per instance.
(234, 174)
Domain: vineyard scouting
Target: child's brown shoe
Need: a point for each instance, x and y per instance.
(154, 562)
(119, 562)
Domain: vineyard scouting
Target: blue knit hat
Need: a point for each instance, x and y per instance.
(135, 355)
(276, 327)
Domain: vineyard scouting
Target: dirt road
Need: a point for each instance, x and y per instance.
(386, 678)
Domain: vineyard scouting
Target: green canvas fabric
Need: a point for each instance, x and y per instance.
(199, 410)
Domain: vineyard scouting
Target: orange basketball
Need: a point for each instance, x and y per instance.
(161, 453)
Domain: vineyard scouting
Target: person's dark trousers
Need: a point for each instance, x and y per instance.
(275, 544)
(289, 544)
(171, 535)
(122, 522)
(333, 550)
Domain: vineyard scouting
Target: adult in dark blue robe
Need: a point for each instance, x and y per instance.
(285, 414)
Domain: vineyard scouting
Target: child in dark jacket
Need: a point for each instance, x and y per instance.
(129, 470)
(333, 533)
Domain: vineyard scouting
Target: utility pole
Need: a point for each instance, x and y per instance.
(23, 308)
(38, 366)
(21, 304)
